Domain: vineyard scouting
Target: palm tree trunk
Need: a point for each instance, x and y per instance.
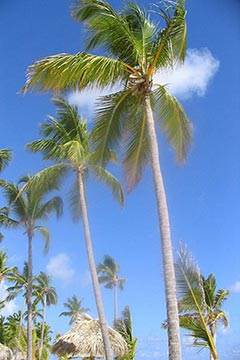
(174, 344)
(43, 326)
(213, 333)
(92, 268)
(29, 298)
(115, 302)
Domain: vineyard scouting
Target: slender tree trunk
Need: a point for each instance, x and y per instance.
(92, 268)
(43, 326)
(29, 298)
(174, 344)
(115, 299)
(213, 333)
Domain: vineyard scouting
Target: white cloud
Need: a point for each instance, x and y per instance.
(184, 81)
(235, 288)
(9, 307)
(59, 267)
(86, 100)
(191, 78)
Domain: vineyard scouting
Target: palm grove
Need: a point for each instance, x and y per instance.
(133, 48)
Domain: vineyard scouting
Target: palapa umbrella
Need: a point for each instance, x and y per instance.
(84, 340)
(5, 352)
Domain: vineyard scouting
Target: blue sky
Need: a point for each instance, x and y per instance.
(203, 195)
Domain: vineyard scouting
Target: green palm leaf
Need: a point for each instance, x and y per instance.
(64, 72)
(173, 121)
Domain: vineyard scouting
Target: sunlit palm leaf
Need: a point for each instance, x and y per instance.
(110, 116)
(173, 121)
(64, 72)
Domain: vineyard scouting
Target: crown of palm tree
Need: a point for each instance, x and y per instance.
(135, 48)
(108, 273)
(74, 308)
(28, 204)
(45, 290)
(66, 140)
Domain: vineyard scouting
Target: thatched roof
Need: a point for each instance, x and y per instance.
(5, 352)
(85, 340)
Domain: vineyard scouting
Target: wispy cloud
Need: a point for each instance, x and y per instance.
(190, 79)
(60, 268)
(9, 307)
(235, 288)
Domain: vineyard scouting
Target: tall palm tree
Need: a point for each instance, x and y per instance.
(108, 274)
(47, 295)
(200, 304)
(28, 207)
(73, 307)
(211, 303)
(135, 48)
(66, 140)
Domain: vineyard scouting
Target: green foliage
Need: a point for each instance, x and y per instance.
(73, 308)
(200, 303)
(66, 141)
(108, 273)
(5, 158)
(124, 327)
(44, 291)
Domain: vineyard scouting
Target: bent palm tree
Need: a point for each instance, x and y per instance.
(66, 141)
(108, 274)
(46, 294)
(136, 49)
(28, 206)
(199, 303)
(73, 308)
(125, 327)
(210, 301)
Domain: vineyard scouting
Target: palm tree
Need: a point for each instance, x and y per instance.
(108, 274)
(66, 140)
(200, 304)
(74, 307)
(28, 207)
(135, 49)
(6, 272)
(211, 304)
(46, 294)
(125, 328)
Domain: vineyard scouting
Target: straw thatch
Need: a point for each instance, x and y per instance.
(5, 352)
(84, 340)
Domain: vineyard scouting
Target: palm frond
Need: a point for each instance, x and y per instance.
(5, 158)
(110, 115)
(189, 283)
(46, 236)
(136, 145)
(108, 29)
(63, 72)
(173, 121)
(170, 45)
(107, 178)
